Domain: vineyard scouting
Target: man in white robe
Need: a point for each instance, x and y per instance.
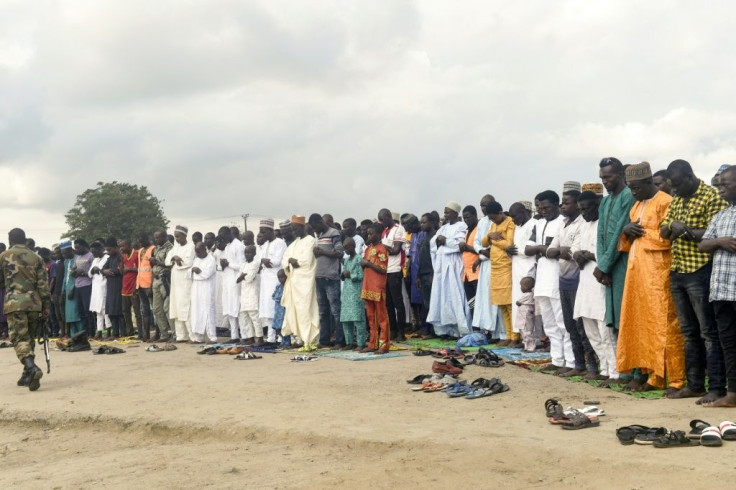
(300, 294)
(270, 256)
(590, 302)
(547, 283)
(485, 314)
(180, 259)
(203, 273)
(521, 264)
(448, 308)
(99, 288)
(231, 260)
(215, 248)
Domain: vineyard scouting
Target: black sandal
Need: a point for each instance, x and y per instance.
(626, 435)
(675, 439)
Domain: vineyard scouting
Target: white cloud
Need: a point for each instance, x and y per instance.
(281, 107)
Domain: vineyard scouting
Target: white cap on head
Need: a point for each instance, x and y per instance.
(454, 205)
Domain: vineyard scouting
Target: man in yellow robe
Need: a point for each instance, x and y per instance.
(500, 237)
(650, 338)
(301, 316)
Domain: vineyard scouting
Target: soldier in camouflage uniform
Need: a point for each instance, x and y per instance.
(27, 302)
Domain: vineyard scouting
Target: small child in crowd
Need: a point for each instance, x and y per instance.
(250, 324)
(525, 314)
(375, 265)
(352, 313)
(279, 311)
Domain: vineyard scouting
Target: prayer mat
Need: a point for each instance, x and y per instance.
(514, 354)
(351, 355)
(646, 395)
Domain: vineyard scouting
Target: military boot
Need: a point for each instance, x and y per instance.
(23, 381)
(34, 373)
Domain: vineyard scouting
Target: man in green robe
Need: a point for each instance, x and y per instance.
(614, 215)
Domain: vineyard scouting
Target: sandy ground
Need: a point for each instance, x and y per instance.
(181, 420)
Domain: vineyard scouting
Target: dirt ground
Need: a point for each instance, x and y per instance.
(181, 420)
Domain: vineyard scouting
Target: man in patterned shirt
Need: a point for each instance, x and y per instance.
(690, 213)
(720, 240)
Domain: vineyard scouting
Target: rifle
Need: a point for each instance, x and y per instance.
(44, 340)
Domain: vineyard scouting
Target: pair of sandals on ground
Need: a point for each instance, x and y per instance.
(572, 418)
(108, 349)
(484, 357)
(701, 433)
(455, 388)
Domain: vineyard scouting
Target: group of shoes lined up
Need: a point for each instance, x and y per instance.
(573, 418)
(445, 377)
(240, 353)
(701, 434)
(455, 359)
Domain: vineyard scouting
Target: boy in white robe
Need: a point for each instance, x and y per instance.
(203, 273)
(99, 288)
(231, 259)
(590, 303)
(250, 323)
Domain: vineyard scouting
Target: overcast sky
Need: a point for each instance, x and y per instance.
(280, 107)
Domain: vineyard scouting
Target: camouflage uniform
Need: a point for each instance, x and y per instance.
(24, 277)
(160, 294)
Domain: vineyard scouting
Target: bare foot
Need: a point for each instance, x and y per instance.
(686, 393)
(728, 401)
(709, 398)
(645, 387)
(633, 385)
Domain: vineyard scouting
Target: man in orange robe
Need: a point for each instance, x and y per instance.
(500, 237)
(650, 338)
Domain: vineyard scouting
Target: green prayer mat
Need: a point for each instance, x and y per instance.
(647, 395)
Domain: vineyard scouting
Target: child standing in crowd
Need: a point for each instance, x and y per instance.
(375, 265)
(278, 312)
(250, 324)
(99, 289)
(352, 314)
(525, 314)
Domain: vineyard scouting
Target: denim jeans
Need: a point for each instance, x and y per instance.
(328, 300)
(84, 295)
(726, 320)
(698, 323)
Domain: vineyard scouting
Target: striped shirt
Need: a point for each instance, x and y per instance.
(723, 277)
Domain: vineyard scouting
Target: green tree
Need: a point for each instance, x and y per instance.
(115, 209)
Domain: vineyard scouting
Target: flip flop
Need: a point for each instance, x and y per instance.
(591, 411)
(100, 350)
(423, 386)
(115, 350)
(458, 389)
(711, 437)
(627, 434)
(580, 421)
(208, 350)
(422, 352)
(552, 407)
(304, 358)
(728, 430)
(648, 437)
(697, 427)
(247, 356)
(675, 439)
(418, 379)
(469, 359)
(478, 393)
(154, 348)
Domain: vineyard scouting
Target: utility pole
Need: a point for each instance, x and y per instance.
(245, 222)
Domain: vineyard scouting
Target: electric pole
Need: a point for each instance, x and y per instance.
(245, 222)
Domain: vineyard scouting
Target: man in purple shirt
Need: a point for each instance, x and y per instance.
(83, 284)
